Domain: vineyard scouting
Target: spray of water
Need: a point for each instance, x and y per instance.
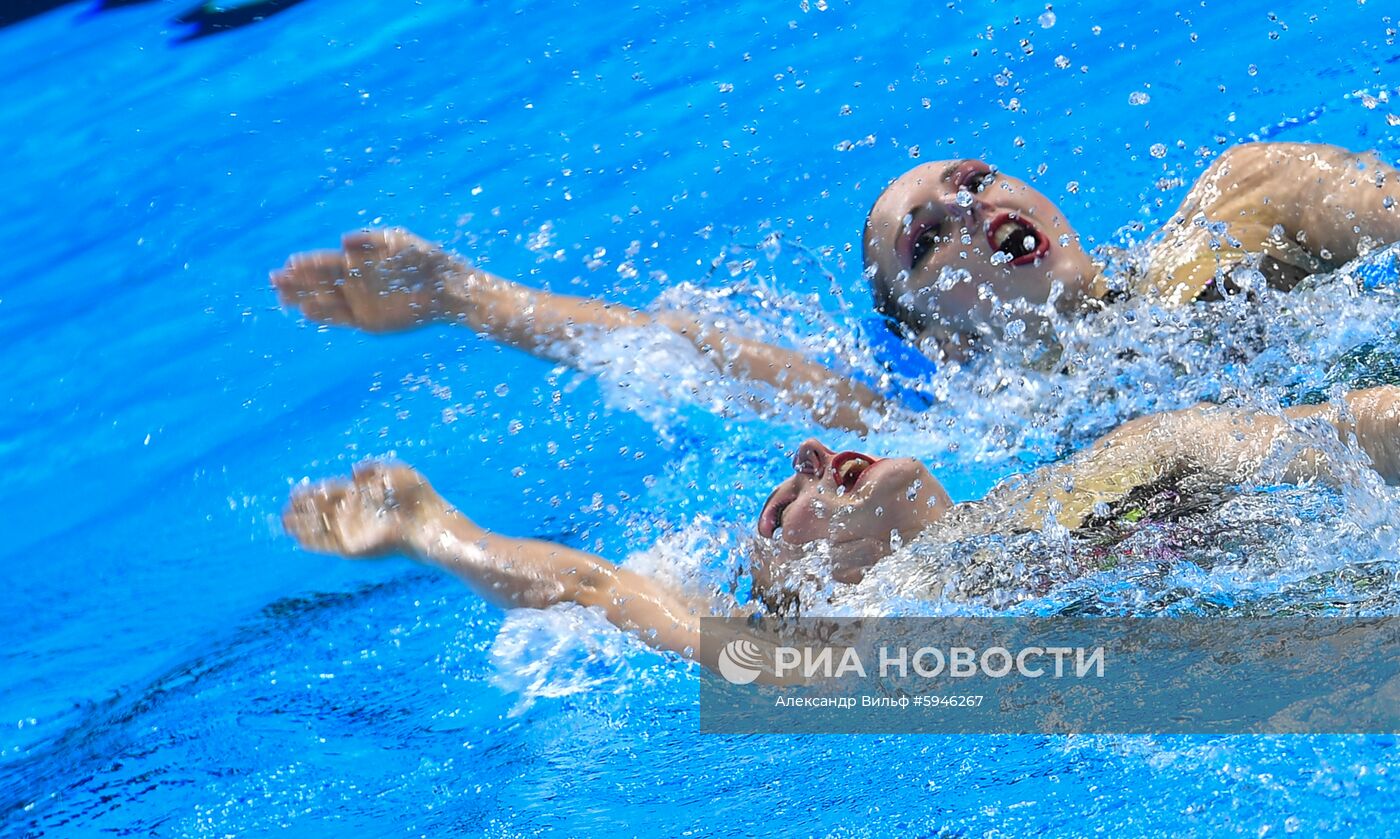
(1261, 548)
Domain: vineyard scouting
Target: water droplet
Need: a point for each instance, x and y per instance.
(950, 277)
(1158, 150)
(1137, 97)
(1047, 19)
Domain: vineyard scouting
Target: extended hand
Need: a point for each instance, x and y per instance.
(371, 515)
(379, 281)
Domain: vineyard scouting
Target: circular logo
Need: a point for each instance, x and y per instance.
(740, 662)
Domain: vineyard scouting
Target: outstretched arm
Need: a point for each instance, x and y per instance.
(390, 510)
(387, 510)
(391, 280)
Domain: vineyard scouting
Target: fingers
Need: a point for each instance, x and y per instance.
(380, 281)
(367, 248)
(390, 484)
(394, 247)
(310, 272)
(361, 241)
(355, 519)
(363, 254)
(286, 296)
(327, 308)
(313, 282)
(307, 517)
(367, 471)
(383, 241)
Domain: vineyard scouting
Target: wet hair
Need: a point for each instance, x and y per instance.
(899, 318)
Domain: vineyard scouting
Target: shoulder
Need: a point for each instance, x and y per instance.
(1250, 200)
(1288, 170)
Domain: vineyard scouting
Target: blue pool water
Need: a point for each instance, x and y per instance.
(173, 666)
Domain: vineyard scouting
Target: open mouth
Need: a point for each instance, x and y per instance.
(1017, 238)
(848, 468)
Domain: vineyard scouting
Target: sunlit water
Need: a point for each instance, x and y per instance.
(176, 667)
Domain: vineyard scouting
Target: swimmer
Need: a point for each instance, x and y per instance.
(1287, 210)
(854, 506)
(944, 244)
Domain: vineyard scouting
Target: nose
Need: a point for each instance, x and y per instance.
(812, 458)
(960, 203)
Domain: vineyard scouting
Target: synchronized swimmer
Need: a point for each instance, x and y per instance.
(945, 245)
(855, 507)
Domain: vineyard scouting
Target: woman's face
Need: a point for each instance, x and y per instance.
(855, 503)
(945, 218)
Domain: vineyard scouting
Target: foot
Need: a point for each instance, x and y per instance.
(373, 514)
(379, 281)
